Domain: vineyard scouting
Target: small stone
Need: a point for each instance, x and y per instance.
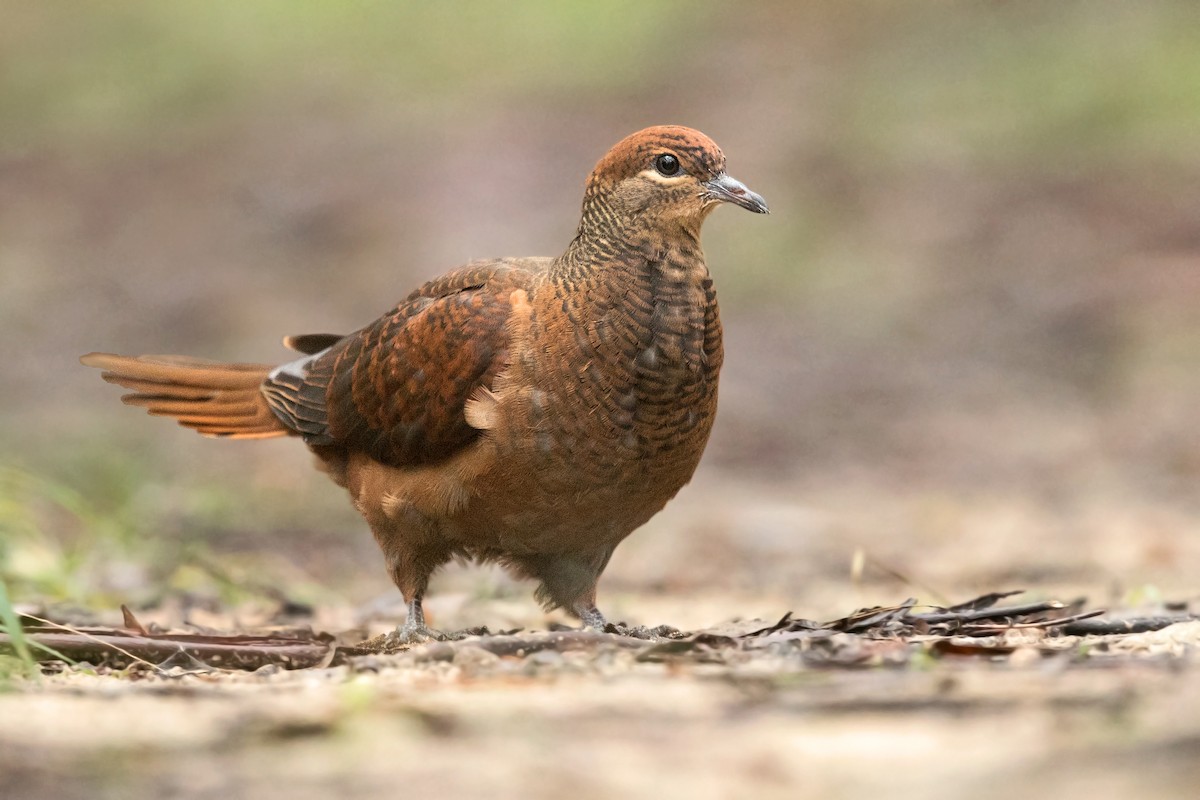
(473, 659)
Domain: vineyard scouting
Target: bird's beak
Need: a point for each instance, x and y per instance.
(730, 190)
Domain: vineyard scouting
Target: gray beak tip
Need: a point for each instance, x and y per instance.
(730, 190)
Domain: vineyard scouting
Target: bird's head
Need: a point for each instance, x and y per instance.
(666, 174)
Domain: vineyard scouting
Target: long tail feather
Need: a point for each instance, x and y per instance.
(210, 397)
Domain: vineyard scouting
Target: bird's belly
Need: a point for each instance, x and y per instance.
(589, 478)
(545, 519)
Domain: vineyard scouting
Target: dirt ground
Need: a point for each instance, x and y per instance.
(1044, 717)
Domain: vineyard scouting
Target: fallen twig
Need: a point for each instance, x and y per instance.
(992, 630)
(1108, 627)
(975, 614)
(121, 648)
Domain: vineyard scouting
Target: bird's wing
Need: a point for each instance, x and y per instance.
(396, 390)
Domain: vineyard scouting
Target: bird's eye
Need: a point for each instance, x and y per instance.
(667, 165)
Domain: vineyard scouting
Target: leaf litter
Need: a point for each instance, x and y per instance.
(901, 635)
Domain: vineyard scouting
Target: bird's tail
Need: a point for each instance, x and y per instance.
(212, 398)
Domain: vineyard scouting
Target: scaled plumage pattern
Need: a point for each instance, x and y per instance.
(530, 411)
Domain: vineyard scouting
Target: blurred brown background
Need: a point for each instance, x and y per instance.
(966, 342)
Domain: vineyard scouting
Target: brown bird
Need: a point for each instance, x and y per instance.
(528, 411)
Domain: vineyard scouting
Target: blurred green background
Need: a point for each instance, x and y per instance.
(966, 343)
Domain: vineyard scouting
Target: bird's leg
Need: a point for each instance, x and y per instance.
(414, 630)
(412, 559)
(568, 580)
(590, 615)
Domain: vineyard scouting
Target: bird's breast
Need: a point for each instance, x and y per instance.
(621, 373)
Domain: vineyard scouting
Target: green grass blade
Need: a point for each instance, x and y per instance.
(11, 624)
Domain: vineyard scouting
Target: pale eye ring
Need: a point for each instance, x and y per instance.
(667, 165)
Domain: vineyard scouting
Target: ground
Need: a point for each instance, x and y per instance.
(838, 715)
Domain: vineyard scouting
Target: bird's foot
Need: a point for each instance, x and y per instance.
(407, 635)
(594, 620)
(644, 632)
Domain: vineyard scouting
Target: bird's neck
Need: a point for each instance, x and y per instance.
(647, 285)
(613, 241)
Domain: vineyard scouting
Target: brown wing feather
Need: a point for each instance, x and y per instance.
(396, 389)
